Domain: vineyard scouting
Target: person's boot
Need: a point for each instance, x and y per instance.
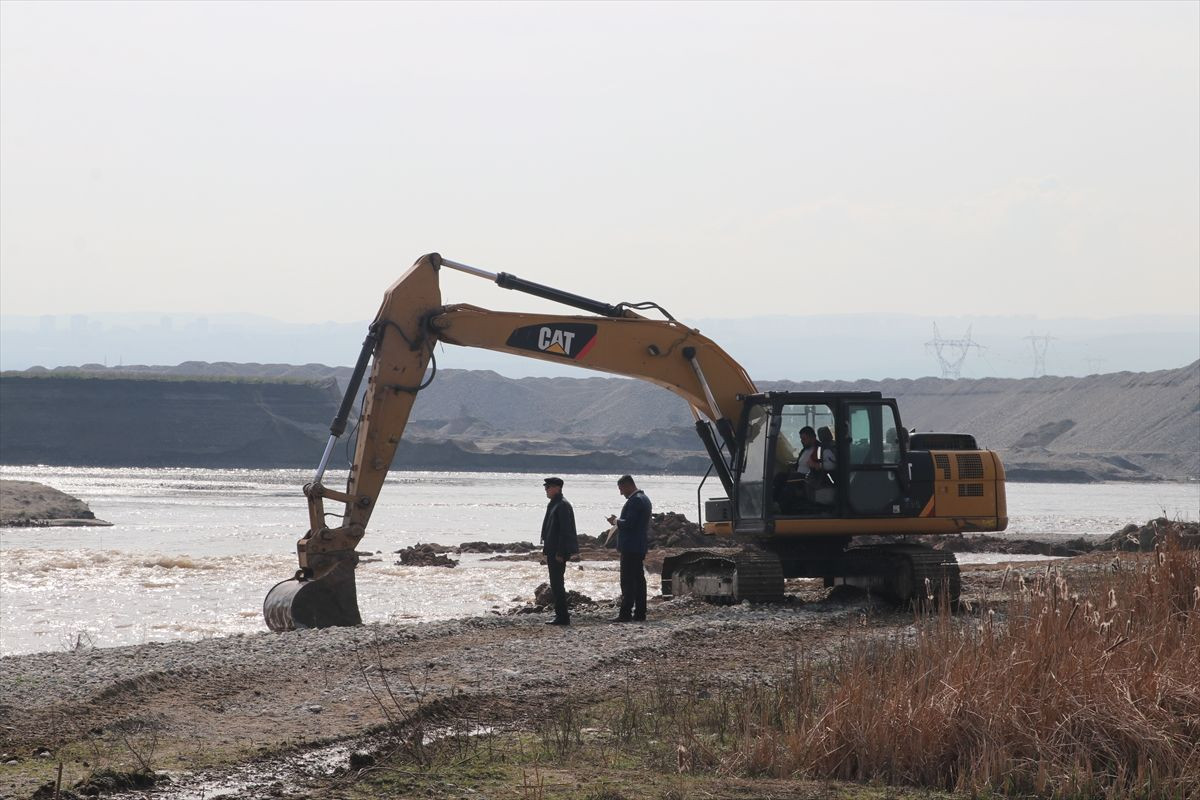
(559, 621)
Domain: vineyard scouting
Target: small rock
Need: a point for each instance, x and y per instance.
(542, 596)
(490, 547)
(424, 555)
(316, 709)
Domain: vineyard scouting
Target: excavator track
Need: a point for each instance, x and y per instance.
(724, 576)
(936, 575)
(903, 573)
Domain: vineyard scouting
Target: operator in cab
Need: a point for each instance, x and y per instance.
(807, 460)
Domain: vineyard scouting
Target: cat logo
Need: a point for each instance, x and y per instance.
(557, 342)
(566, 340)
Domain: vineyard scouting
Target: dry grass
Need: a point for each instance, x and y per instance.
(1080, 689)
(1062, 691)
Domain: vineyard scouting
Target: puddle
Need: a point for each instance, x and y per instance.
(276, 777)
(282, 776)
(434, 734)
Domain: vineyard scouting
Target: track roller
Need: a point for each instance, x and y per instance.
(903, 573)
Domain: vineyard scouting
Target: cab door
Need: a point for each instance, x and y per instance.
(759, 427)
(873, 458)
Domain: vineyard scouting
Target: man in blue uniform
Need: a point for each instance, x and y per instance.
(633, 527)
(559, 543)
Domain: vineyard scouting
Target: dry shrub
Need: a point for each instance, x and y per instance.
(1092, 692)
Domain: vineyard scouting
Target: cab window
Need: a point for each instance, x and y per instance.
(795, 417)
(873, 439)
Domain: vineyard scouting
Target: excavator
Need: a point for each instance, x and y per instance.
(859, 525)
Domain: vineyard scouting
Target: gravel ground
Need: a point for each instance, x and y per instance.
(270, 715)
(224, 702)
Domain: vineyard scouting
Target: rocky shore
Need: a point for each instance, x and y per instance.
(250, 704)
(297, 714)
(287, 715)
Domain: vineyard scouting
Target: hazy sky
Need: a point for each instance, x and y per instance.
(722, 159)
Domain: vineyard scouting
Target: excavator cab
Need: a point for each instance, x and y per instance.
(857, 518)
(861, 467)
(871, 472)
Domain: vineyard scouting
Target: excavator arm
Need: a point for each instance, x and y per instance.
(399, 350)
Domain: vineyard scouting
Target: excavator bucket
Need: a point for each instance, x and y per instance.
(398, 349)
(325, 602)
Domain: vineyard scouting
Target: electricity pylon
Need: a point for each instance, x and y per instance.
(951, 353)
(1040, 343)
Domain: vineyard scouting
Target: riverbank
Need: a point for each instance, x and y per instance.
(250, 704)
(334, 713)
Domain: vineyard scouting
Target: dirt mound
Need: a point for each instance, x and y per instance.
(1131, 538)
(999, 544)
(667, 531)
(27, 503)
(676, 530)
(542, 596)
(1141, 538)
(543, 600)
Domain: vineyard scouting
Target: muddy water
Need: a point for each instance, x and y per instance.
(192, 553)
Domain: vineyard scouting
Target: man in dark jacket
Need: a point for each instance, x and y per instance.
(633, 527)
(559, 543)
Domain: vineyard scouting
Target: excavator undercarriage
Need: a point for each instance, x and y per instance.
(900, 573)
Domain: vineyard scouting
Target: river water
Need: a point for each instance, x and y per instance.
(192, 552)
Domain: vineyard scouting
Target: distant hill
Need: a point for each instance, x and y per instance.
(809, 344)
(94, 420)
(1118, 426)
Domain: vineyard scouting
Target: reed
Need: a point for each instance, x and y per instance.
(1060, 690)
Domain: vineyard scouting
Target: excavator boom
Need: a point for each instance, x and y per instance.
(399, 348)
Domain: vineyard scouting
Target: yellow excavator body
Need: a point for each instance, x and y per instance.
(882, 484)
